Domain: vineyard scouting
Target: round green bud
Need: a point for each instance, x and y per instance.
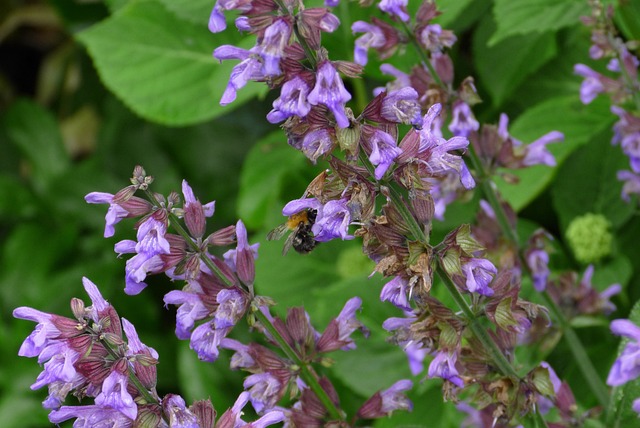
(589, 237)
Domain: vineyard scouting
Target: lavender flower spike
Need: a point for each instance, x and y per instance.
(627, 366)
(329, 91)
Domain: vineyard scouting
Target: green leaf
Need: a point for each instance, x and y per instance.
(263, 177)
(535, 16)
(626, 17)
(35, 132)
(525, 54)
(620, 414)
(196, 11)
(577, 122)
(161, 66)
(587, 183)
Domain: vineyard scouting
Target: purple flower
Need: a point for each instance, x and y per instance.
(249, 68)
(593, 84)
(444, 190)
(292, 101)
(413, 349)
(232, 417)
(151, 244)
(115, 213)
(241, 359)
(402, 106)
(434, 150)
(463, 121)
(114, 395)
(434, 38)
(631, 184)
(395, 291)
(217, 23)
(348, 323)
(317, 143)
(297, 205)
(403, 80)
(271, 49)
(264, 390)
(179, 416)
(205, 340)
(329, 91)
(444, 366)
(536, 152)
(242, 259)
(93, 416)
(384, 150)
(393, 398)
(332, 221)
(232, 305)
(373, 37)
(44, 334)
(538, 262)
(191, 309)
(338, 332)
(627, 366)
(396, 8)
(479, 274)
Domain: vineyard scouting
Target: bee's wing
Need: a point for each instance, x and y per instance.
(277, 233)
(289, 241)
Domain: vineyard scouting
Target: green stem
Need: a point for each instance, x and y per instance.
(598, 388)
(501, 362)
(306, 372)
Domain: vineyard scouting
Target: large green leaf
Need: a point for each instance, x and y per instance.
(35, 132)
(525, 55)
(161, 66)
(620, 414)
(626, 17)
(587, 183)
(196, 11)
(577, 122)
(535, 16)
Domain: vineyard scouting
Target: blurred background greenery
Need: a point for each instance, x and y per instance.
(89, 89)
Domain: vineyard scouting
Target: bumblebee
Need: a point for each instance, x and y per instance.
(301, 238)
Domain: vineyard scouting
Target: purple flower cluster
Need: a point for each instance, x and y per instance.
(89, 357)
(276, 59)
(627, 366)
(623, 88)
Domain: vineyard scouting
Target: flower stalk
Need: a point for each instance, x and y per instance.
(575, 345)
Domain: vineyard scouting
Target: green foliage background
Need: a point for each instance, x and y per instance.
(89, 90)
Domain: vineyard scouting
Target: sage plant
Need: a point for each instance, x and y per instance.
(394, 168)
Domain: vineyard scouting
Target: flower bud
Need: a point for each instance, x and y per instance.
(589, 238)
